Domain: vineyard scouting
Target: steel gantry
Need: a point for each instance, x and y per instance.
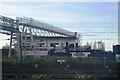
(11, 27)
(23, 27)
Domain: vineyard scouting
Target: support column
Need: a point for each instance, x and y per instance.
(18, 46)
(32, 41)
(21, 37)
(25, 42)
(9, 54)
(19, 53)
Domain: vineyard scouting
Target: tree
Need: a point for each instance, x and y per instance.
(6, 46)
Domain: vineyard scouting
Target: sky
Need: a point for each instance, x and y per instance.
(95, 21)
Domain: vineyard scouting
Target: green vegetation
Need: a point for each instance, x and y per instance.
(72, 63)
(72, 67)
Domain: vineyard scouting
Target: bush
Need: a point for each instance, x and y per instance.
(51, 62)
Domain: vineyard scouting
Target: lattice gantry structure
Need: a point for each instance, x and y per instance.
(24, 28)
(11, 27)
(29, 25)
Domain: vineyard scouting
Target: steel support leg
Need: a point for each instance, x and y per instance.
(19, 46)
(9, 54)
(19, 52)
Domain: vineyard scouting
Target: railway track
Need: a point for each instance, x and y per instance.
(57, 73)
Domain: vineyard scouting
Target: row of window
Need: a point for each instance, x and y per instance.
(38, 44)
(56, 44)
(43, 45)
(35, 40)
(26, 43)
(37, 49)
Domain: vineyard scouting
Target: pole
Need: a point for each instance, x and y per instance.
(19, 53)
(9, 54)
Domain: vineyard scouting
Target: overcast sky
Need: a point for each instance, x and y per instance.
(94, 20)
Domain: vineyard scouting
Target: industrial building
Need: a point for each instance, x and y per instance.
(43, 45)
(50, 38)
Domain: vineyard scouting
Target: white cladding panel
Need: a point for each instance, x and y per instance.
(39, 51)
(52, 40)
(45, 26)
